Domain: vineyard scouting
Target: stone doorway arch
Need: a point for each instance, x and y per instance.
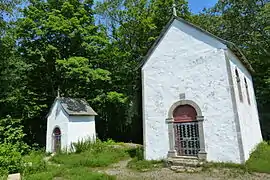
(186, 115)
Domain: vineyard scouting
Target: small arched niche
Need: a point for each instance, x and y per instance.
(56, 136)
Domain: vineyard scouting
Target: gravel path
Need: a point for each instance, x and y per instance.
(123, 173)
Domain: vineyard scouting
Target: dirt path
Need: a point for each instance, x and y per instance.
(123, 173)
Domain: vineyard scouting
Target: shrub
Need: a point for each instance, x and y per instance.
(33, 162)
(91, 159)
(3, 177)
(80, 146)
(136, 153)
(88, 145)
(10, 158)
(11, 132)
(110, 142)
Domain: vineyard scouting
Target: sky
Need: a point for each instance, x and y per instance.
(197, 5)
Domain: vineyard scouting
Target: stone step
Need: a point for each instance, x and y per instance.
(180, 169)
(186, 162)
(184, 159)
(16, 176)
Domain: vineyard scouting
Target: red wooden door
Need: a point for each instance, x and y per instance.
(184, 113)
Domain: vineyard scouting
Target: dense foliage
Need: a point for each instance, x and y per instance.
(10, 159)
(93, 51)
(12, 146)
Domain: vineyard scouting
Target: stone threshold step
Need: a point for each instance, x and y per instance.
(186, 169)
(184, 162)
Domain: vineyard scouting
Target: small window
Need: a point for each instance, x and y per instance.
(246, 85)
(239, 85)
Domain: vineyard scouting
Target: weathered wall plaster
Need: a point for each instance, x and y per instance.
(73, 128)
(188, 61)
(57, 118)
(81, 128)
(248, 114)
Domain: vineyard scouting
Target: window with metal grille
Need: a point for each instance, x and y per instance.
(239, 85)
(246, 85)
(186, 131)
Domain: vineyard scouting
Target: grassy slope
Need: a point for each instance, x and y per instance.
(90, 159)
(259, 160)
(62, 172)
(75, 166)
(139, 164)
(80, 165)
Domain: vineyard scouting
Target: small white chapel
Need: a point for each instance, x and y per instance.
(198, 97)
(69, 120)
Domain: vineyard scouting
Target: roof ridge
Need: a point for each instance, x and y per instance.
(229, 44)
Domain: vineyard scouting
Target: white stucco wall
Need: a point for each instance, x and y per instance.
(73, 128)
(248, 114)
(57, 118)
(81, 128)
(188, 61)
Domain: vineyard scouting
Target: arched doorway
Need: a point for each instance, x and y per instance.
(56, 139)
(186, 131)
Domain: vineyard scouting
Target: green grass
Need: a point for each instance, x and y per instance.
(91, 159)
(77, 165)
(3, 177)
(211, 165)
(139, 164)
(34, 162)
(63, 173)
(259, 160)
(144, 165)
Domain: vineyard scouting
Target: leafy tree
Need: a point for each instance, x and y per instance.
(7, 9)
(64, 49)
(78, 72)
(11, 91)
(58, 44)
(132, 27)
(11, 65)
(6, 6)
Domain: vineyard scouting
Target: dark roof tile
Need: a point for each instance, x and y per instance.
(76, 107)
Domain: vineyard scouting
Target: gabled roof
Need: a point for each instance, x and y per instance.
(74, 107)
(77, 107)
(229, 44)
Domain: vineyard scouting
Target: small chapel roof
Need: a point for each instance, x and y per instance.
(76, 107)
(229, 44)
